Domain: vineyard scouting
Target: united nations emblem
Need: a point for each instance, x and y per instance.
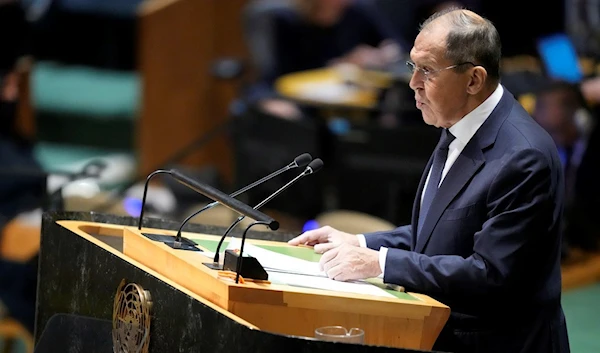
(131, 319)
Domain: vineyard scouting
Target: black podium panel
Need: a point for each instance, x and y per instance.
(78, 281)
(75, 334)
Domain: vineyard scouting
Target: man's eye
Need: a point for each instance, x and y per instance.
(426, 71)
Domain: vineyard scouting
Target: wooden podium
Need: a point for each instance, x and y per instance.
(407, 320)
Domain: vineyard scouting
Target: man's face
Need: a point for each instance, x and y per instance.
(442, 95)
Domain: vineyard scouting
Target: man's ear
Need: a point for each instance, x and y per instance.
(477, 81)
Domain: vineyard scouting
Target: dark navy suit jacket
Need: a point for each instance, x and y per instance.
(490, 245)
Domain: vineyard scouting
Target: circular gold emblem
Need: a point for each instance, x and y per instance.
(131, 319)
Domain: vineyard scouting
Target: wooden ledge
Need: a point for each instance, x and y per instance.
(583, 269)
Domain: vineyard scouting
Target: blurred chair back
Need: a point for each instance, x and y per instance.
(264, 144)
(378, 169)
(125, 8)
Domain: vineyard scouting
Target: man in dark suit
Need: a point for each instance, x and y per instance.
(484, 237)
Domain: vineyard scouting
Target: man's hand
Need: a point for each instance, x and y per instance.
(325, 238)
(346, 263)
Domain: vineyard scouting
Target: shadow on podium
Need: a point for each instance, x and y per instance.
(75, 334)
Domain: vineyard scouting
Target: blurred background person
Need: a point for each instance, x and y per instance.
(311, 34)
(294, 36)
(561, 110)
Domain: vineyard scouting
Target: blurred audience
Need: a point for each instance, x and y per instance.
(21, 186)
(562, 111)
(515, 20)
(582, 23)
(312, 34)
(17, 194)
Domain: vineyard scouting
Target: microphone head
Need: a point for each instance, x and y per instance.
(314, 166)
(302, 160)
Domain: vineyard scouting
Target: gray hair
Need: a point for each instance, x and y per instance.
(471, 38)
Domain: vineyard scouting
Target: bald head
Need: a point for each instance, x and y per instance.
(452, 16)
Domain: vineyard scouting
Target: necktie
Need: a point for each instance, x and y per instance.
(437, 166)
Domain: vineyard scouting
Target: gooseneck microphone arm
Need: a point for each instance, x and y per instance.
(299, 161)
(150, 176)
(224, 199)
(211, 193)
(188, 218)
(306, 172)
(231, 226)
(238, 267)
(313, 167)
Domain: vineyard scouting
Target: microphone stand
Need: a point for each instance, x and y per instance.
(210, 192)
(178, 237)
(238, 268)
(150, 176)
(292, 165)
(176, 243)
(216, 258)
(313, 167)
(196, 144)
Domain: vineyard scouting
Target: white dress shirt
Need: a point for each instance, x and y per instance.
(463, 130)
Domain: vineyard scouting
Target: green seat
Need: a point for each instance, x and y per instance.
(79, 90)
(85, 105)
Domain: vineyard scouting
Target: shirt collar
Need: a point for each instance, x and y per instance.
(466, 127)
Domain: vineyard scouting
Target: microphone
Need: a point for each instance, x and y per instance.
(299, 161)
(224, 199)
(312, 168)
(212, 193)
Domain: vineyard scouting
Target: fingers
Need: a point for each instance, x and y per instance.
(312, 237)
(336, 272)
(327, 260)
(324, 247)
(333, 265)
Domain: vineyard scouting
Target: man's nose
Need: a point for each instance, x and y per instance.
(416, 81)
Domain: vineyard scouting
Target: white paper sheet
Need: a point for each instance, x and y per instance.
(356, 287)
(271, 260)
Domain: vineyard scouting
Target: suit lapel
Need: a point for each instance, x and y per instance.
(464, 168)
(466, 165)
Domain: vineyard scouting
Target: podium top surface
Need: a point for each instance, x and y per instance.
(112, 233)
